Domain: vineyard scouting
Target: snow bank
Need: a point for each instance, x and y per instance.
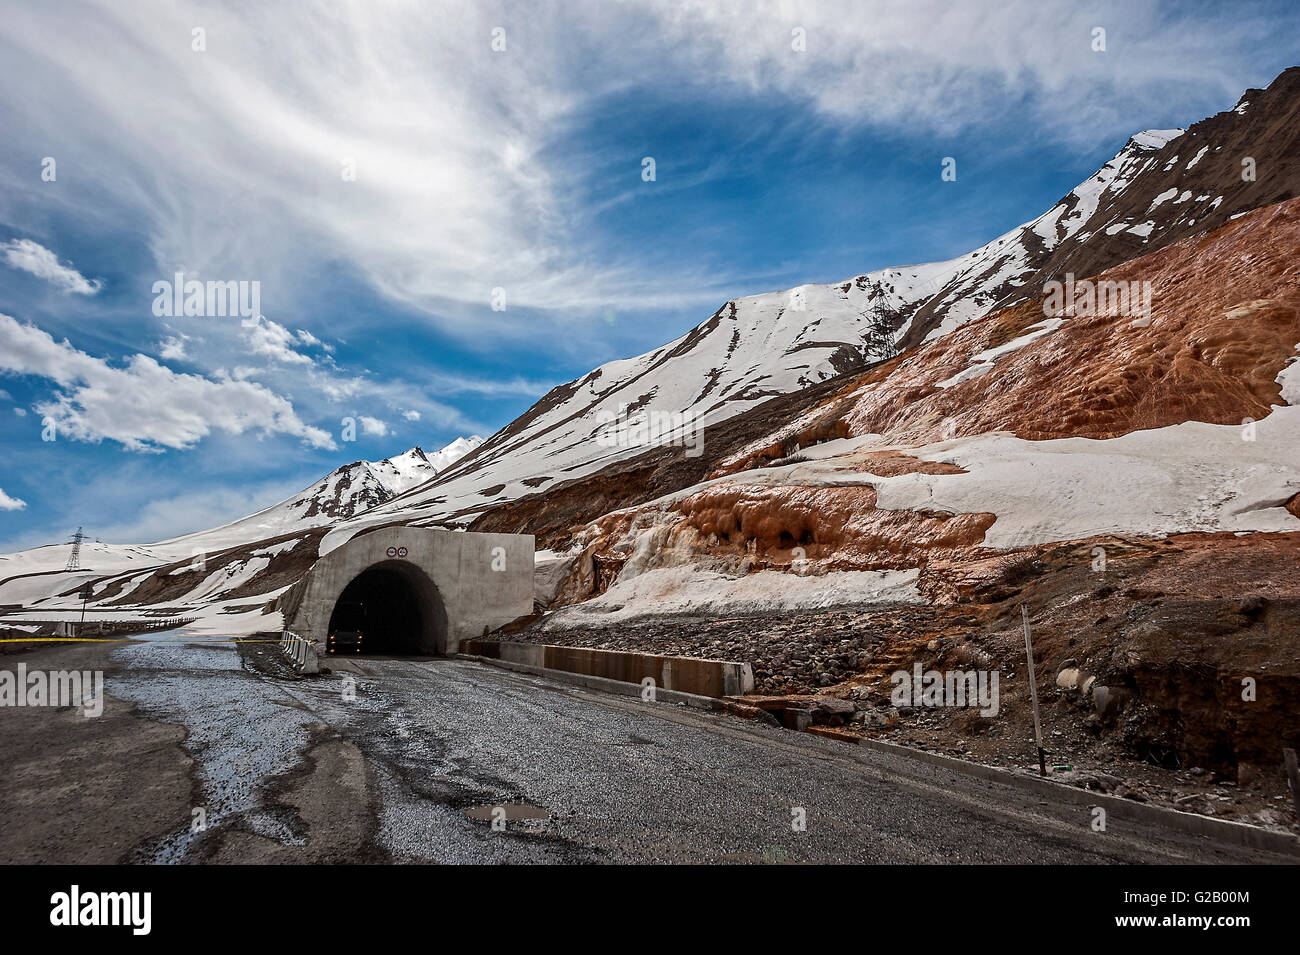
(1188, 477)
(688, 589)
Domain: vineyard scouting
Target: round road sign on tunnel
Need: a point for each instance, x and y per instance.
(401, 552)
(392, 552)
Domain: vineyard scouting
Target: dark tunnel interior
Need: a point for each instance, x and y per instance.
(381, 605)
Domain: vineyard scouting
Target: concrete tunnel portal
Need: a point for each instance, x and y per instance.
(412, 590)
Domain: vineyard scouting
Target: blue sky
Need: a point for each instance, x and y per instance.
(479, 169)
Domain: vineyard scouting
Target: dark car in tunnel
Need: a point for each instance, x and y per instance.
(344, 641)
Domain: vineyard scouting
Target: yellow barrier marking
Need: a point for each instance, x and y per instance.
(124, 639)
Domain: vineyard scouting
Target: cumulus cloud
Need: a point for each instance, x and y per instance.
(373, 426)
(172, 348)
(29, 256)
(273, 340)
(411, 414)
(337, 388)
(143, 405)
(8, 503)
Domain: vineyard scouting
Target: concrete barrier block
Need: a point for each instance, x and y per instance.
(300, 652)
(711, 678)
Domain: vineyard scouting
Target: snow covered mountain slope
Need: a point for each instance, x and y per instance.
(413, 467)
(911, 480)
(345, 492)
(1163, 186)
(748, 351)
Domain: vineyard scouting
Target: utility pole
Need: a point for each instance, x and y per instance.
(74, 559)
(1033, 695)
(87, 591)
(1292, 776)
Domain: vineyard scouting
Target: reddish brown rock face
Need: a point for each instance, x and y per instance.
(840, 523)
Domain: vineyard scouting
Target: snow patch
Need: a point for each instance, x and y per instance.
(982, 363)
(688, 589)
(1187, 477)
(1163, 197)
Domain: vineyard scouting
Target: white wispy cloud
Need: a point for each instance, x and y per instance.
(169, 514)
(8, 503)
(450, 383)
(307, 338)
(143, 405)
(29, 256)
(458, 188)
(932, 65)
(373, 426)
(401, 396)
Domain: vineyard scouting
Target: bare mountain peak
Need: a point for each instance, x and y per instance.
(1154, 138)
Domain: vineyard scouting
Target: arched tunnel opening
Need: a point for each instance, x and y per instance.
(388, 608)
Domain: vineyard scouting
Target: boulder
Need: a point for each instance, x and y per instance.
(1109, 700)
(832, 706)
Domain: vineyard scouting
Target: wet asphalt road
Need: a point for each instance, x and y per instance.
(616, 780)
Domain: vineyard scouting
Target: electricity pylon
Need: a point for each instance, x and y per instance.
(74, 559)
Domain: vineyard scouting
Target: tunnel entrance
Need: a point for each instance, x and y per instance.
(389, 608)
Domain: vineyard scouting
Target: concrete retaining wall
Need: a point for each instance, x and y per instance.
(712, 678)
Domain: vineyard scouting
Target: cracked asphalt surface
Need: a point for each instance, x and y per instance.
(404, 760)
